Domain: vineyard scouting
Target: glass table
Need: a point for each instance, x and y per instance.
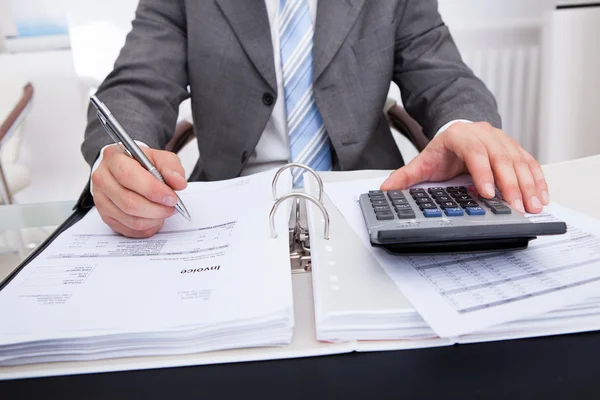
(23, 227)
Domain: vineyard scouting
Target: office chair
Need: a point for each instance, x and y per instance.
(398, 118)
(13, 177)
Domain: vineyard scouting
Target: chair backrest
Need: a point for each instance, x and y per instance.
(17, 114)
(8, 127)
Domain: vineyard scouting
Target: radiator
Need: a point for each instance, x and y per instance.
(507, 59)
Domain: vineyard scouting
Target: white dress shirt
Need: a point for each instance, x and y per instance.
(272, 150)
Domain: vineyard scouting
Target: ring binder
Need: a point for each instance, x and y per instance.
(302, 166)
(299, 236)
(302, 196)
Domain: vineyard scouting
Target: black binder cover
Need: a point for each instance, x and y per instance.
(81, 208)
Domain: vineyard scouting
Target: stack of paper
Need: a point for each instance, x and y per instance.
(549, 288)
(218, 282)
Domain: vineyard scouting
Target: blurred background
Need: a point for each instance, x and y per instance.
(541, 58)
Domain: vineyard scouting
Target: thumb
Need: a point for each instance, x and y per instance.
(169, 165)
(412, 173)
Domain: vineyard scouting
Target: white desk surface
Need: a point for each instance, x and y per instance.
(565, 180)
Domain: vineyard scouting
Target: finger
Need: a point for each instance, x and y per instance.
(526, 183)
(130, 202)
(131, 175)
(473, 151)
(504, 172)
(108, 209)
(416, 171)
(538, 177)
(118, 227)
(170, 167)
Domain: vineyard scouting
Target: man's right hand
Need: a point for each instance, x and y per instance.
(129, 199)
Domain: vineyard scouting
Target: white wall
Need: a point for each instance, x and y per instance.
(7, 25)
(502, 42)
(481, 13)
(97, 37)
(54, 128)
(571, 108)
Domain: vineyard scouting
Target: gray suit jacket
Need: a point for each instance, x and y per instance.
(220, 53)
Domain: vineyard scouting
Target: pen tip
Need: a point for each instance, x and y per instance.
(183, 211)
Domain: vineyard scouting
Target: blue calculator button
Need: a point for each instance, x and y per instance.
(432, 212)
(475, 211)
(454, 212)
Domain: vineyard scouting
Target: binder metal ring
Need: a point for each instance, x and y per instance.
(303, 196)
(302, 166)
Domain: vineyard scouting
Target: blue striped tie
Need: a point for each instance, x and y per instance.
(309, 142)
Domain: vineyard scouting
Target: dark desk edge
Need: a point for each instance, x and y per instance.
(571, 6)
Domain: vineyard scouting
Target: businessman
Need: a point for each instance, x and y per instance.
(274, 81)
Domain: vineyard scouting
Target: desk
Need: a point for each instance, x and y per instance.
(553, 367)
(23, 227)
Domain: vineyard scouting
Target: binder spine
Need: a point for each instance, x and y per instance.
(299, 236)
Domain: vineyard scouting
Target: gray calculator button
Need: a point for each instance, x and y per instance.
(385, 216)
(396, 194)
(399, 207)
(420, 195)
(417, 190)
(461, 198)
(500, 210)
(493, 202)
(424, 200)
(439, 199)
(448, 204)
(379, 203)
(381, 208)
(399, 201)
(468, 203)
(437, 193)
(435, 189)
(406, 214)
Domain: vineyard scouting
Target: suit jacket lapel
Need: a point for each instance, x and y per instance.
(334, 21)
(250, 22)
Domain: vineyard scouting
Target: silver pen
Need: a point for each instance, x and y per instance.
(130, 147)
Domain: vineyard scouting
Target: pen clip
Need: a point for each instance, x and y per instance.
(111, 133)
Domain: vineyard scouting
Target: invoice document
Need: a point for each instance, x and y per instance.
(219, 281)
(466, 293)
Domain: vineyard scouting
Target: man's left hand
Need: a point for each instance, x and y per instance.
(489, 155)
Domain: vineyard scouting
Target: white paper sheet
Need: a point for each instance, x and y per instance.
(461, 294)
(220, 273)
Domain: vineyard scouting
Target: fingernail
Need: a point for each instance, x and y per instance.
(177, 174)
(489, 189)
(519, 205)
(535, 202)
(169, 201)
(546, 197)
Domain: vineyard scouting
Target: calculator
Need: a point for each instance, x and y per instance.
(447, 220)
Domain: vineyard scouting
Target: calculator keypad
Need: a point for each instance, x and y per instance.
(435, 202)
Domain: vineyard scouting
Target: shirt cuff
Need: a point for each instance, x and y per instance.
(99, 160)
(443, 128)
